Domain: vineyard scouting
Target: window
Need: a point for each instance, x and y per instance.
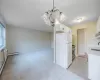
(2, 35)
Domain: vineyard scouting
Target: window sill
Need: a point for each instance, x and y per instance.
(2, 48)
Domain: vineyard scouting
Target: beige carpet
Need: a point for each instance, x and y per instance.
(35, 67)
(80, 67)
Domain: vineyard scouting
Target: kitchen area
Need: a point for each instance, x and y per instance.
(94, 56)
(87, 66)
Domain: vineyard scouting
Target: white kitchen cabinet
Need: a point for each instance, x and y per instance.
(98, 25)
(60, 28)
(98, 29)
(94, 65)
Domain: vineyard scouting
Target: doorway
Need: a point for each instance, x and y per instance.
(81, 42)
(80, 64)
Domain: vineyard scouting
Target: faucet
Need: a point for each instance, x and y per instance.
(98, 43)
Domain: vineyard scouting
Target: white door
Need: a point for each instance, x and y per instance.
(81, 41)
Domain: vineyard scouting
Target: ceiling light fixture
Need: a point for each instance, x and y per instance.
(51, 18)
(79, 19)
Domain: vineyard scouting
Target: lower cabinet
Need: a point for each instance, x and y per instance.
(93, 67)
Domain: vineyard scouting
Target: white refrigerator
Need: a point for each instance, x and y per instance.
(64, 49)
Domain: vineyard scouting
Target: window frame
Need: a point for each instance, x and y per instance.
(2, 35)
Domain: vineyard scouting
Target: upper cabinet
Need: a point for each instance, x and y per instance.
(98, 29)
(62, 28)
(98, 25)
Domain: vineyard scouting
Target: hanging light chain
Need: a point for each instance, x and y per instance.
(53, 4)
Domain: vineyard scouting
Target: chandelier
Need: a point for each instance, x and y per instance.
(53, 16)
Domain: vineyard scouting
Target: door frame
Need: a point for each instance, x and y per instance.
(84, 39)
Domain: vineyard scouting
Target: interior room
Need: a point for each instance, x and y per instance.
(49, 40)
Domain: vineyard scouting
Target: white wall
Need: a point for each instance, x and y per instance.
(27, 40)
(2, 20)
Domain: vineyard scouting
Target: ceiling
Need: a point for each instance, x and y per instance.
(27, 13)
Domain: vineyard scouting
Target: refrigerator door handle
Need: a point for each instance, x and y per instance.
(69, 43)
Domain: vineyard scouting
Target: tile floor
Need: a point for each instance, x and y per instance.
(35, 67)
(80, 67)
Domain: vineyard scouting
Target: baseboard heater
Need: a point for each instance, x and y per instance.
(14, 53)
(3, 56)
(2, 67)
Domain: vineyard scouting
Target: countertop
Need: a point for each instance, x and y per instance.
(97, 53)
(94, 49)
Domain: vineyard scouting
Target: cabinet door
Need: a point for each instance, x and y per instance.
(98, 25)
(60, 28)
(94, 67)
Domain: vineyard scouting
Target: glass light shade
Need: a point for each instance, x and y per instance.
(53, 16)
(57, 22)
(46, 19)
(56, 15)
(62, 17)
